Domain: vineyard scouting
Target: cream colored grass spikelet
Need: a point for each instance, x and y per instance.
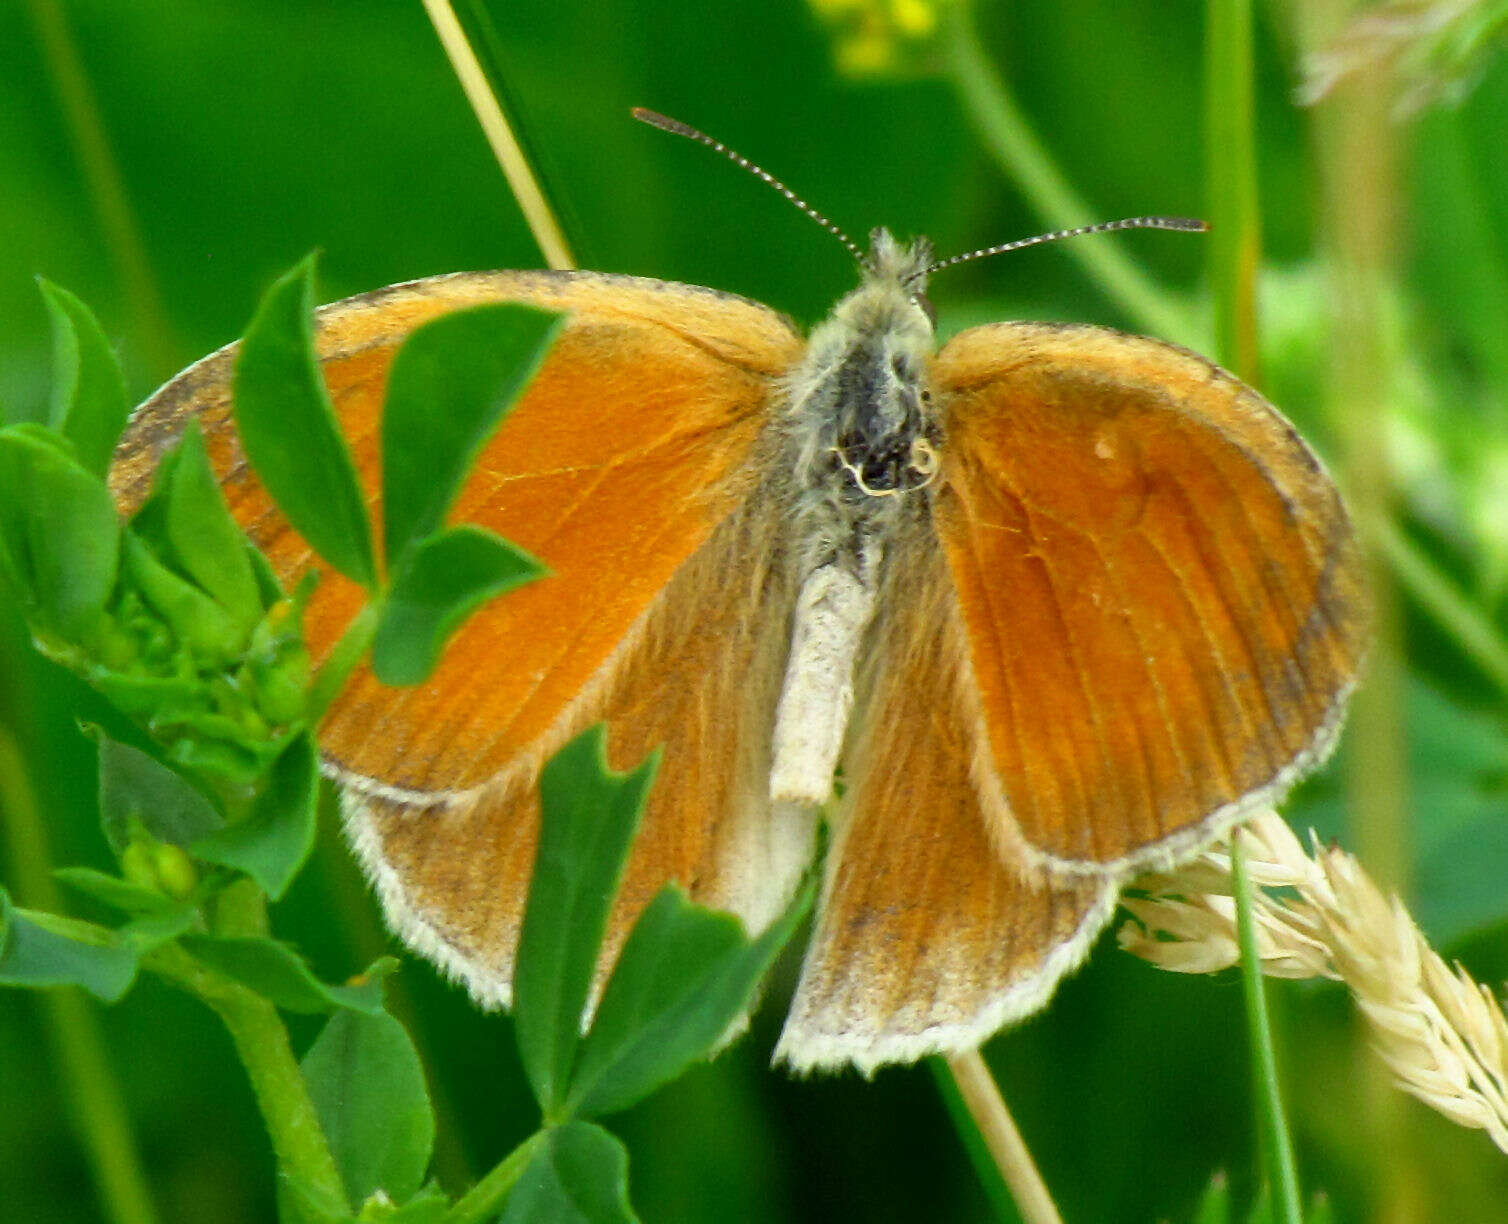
(1442, 1035)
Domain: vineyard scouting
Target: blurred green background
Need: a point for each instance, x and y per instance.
(165, 159)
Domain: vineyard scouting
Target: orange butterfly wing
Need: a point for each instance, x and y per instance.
(615, 466)
(622, 468)
(1164, 599)
(931, 934)
(700, 679)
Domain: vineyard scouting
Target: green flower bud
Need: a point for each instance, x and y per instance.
(176, 871)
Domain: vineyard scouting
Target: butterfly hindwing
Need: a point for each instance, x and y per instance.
(931, 933)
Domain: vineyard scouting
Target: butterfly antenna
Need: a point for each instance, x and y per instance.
(666, 124)
(1187, 224)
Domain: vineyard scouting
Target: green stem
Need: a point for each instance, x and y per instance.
(1235, 242)
(349, 651)
(261, 1041)
(1277, 1147)
(95, 1103)
(483, 1200)
(1011, 141)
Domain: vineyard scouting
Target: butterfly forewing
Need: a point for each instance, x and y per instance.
(1163, 595)
(631, 468)
(627, 450)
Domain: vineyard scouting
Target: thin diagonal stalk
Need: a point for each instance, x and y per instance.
(94, 1097)
(1008, 136)
(972, 1138)
(997, 1128)
(505, 146)
(102, 177)
(1277, 1146)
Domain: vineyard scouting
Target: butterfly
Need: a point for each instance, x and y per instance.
(1061, 604)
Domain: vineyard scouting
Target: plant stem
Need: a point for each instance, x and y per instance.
(337, 669)
(972, 1138)
(1277, 1148)
(1235, 251)
(1235, 241)
(997, 1128)
(505, 146)
(95, 1105)
(484, 1199)
(1009, 137)
(261, 1041)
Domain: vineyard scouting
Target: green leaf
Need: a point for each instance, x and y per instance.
(48, 950)
(579, 1175)
(272, 843)
(589, 817)
(450, 386)
(368, 1088)
(207, 544)
(89, 404)
(119, 894)
(150, 522)
(195, 619)
(289, 432)
(439, 583)
(685, 976)
(149, 931)
(280, 975)
(59, 538)
(136, 791)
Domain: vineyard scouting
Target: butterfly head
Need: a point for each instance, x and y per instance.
(863, 430)
(894, 288)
